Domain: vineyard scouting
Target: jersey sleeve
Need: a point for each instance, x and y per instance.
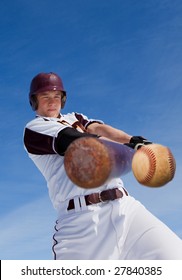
(40, 134)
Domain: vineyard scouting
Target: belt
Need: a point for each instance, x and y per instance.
(103, 196)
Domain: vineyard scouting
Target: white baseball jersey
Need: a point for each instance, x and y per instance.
(42, 131)
(117, 229)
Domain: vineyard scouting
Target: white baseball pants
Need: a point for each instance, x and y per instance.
(122, 229)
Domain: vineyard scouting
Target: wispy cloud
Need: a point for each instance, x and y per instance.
(26, 233)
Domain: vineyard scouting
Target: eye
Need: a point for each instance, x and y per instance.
(58, 96)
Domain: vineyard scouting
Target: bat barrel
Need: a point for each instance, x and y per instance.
(90, 162)
(121, 158)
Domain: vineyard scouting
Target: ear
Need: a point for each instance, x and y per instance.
(34, 102)
(63, 99)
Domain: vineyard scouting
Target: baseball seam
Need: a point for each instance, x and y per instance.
(152, 164)
(171, 164)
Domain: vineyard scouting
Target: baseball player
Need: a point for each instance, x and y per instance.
(104, 223)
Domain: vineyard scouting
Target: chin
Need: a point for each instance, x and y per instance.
(53, 114)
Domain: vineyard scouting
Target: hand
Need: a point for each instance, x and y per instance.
(136, 142)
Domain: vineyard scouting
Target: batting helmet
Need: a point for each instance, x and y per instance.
(45, 82)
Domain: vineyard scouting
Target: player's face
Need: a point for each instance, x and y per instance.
(49, 104)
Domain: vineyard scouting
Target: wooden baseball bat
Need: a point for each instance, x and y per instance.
(91, 162)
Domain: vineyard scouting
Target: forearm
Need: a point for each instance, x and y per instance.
(109, 132)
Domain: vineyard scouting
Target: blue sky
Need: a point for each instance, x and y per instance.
(120, 61)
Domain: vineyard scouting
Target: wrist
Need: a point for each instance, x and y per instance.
(138, 141)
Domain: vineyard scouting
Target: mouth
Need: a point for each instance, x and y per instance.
(52, 109)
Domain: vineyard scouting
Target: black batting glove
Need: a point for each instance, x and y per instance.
(136, 142)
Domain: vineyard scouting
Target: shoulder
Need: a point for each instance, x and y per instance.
(82, 118)
(74, 117)
(49, 126)
(36, 121)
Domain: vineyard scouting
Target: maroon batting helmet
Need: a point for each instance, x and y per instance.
(45, 82)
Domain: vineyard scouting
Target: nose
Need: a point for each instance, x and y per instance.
(51, 100)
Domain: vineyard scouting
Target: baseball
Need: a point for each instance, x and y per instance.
(87, 162)
(153, 165)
